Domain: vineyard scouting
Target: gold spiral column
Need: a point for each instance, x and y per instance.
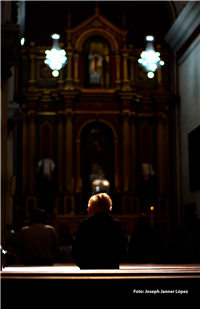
(161, 153)
(60, 140)
(68, 151)
(31, 151)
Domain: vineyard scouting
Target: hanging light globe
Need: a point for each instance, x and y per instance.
(150, 59)
(56, 57)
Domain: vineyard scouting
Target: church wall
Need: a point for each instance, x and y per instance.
(183, 37)
(189, 81)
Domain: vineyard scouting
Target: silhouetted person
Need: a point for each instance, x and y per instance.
(145, 243)
(99, 239)
(38, 243)
(65, 251)
(176, 252)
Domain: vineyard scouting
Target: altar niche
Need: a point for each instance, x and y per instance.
(96, 63)
(97, 156)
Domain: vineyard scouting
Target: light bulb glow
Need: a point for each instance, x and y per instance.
(22, 41)
(55, 36)
(55, 73)
(149, 38)
(150, 74)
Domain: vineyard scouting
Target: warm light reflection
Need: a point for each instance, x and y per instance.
(152, 208)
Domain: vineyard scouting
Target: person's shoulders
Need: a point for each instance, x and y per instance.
(49, 227)
(24, 229)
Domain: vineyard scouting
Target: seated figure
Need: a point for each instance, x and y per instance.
(99, 240)
(38, 243)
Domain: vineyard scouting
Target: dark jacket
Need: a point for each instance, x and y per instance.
(98, 243)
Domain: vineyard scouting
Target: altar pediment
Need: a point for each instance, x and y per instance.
(96, 25)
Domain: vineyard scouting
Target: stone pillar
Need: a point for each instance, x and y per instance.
(161, 153)
(68, 151)
(69, 80)
(60, 142)
(31, 152)
(133, 152)
(118, 77)
(126, 150)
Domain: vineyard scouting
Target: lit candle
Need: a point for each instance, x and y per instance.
(152, 209)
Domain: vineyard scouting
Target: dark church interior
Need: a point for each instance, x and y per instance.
(101, 122)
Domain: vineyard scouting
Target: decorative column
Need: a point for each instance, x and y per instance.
(68, 151)
(125, 82)
(159, 73)
(116, 165)
(132, 77)
(60, 80)
(31, 151)
(69, 80)
(118, 80)
(133, 152)
(76, 80)
(60, 142)
(25, 130)
(126, 150)
(78, 173)
(32, 67)
(161, 153)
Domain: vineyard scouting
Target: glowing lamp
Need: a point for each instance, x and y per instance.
(150, 59)
(56, 57)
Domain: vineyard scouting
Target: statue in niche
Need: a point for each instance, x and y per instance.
(96, 147)
(147, 171)
(95, 63)
(46, 171)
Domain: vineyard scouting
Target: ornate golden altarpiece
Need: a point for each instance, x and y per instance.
(133, 111)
